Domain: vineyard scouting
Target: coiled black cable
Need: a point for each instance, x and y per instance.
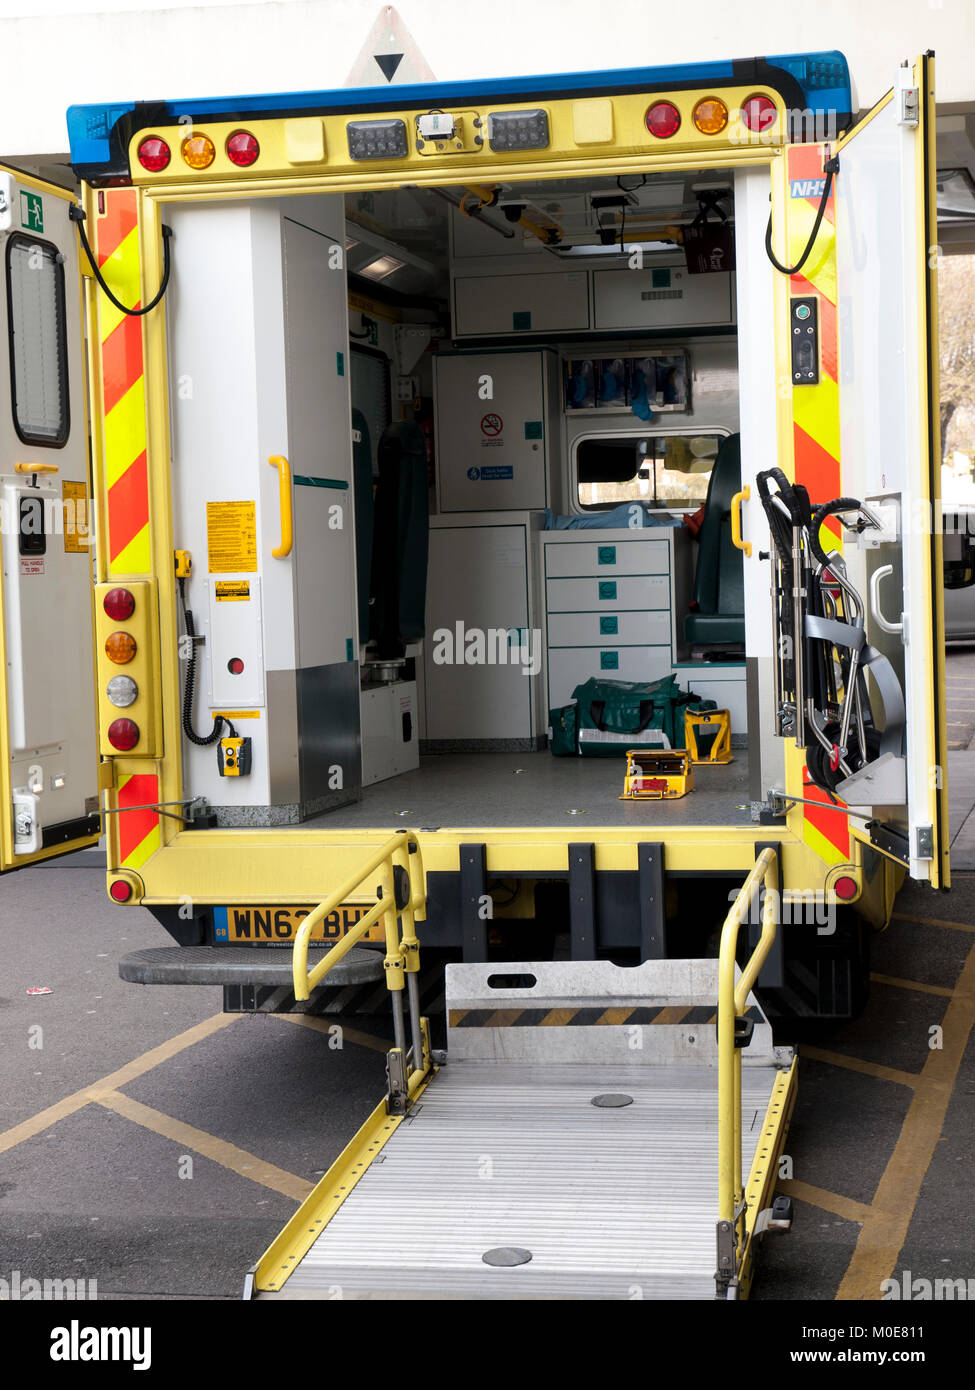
(77, 214)
(831, 167)
(219, 720)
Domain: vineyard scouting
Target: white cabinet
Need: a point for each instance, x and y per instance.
(614, 607)
(661, 297)
(482, 660)
(497, 430)
(390, 737)
(486, 305)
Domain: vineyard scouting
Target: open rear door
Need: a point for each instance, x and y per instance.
(886, 259)
(48, 751)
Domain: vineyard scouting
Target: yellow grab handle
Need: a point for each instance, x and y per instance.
(35, 468)
(736, 502)
(287, 510)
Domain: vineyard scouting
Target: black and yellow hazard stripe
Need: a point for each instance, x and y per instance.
(587, 1017)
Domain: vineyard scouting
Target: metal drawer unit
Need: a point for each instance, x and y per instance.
(608, 609)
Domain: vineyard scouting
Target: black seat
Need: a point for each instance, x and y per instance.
(717, 615)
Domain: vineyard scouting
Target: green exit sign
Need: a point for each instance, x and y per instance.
(31, 212)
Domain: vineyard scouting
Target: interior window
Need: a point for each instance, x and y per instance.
(38, 341)
(661, 470)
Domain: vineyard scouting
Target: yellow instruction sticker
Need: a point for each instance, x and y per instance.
(231, 536)
(232, 590)
(74, 500)
(233, 714)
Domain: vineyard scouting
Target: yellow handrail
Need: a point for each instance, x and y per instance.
(732, 1001)
(285, 502)
(396, 847)
(736, 502)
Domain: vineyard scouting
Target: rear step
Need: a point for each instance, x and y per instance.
(570, 1149)
(241, 965)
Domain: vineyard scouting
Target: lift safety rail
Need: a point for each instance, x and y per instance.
(401, 899)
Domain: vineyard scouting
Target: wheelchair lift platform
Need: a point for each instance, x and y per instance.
(570, 1147)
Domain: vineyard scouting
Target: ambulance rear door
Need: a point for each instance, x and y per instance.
(48, 749)
(886, 263)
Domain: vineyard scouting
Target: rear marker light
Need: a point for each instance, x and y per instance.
(663, 120)
(198, 151)
(120, 647)
(710, 116)
(377, 139)
(758, 113)
(518, 130)
(845, 887)
(153, 154)
(120, 890)
(235, 666)
(119, 604)
(123, 734)
(242, 148)
(122, 691)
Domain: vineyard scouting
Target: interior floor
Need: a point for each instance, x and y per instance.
(536, 789)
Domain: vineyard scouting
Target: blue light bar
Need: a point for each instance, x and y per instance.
(99, 135)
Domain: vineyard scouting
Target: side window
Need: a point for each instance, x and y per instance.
(661, 470)
(38, 342)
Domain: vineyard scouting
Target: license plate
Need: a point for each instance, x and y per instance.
(260, 925)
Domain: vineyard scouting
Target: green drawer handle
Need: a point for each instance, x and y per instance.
(607, 554)
(609, 661)
(609, 627)
(607, 588)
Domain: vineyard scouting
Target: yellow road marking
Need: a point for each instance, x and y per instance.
(218, 1150)
(874, 1069)
(911, 984)
(138, 1067)
(322, 1025)
(885, 1228)
(932, 921)
(826, 1201)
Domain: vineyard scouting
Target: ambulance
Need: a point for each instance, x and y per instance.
(417, 415)
(488, 268)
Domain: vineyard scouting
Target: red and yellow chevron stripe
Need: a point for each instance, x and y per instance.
(138, 830)
(123, 386)
(816, 430)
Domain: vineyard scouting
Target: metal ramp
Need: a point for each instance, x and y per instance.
(598, 1132)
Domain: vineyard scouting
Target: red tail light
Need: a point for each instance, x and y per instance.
(120, 890)
(154, 154)
(119, 604)
(123, 734)
(242, 148)
(758, 113)
(663, 120)
(845, 887)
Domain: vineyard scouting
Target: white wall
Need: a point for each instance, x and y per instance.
(60, 52)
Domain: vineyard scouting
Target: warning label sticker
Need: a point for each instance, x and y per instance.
(231, 536)
(32, 566)
(232, 590)
(74, 499)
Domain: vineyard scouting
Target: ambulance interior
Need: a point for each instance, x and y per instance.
(458, 378)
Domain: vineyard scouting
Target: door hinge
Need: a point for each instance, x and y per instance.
(924, 840)
(910, 112)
